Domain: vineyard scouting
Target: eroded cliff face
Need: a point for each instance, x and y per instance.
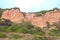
(51, 17)
(17, 17)
(13, 15)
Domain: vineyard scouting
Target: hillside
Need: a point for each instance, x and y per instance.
(16, 16)
(43, 25)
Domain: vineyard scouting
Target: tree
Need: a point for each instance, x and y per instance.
(56, 8)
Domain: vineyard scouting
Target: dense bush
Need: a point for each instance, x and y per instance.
(2, 35)
(29, 28)
(3, 28)
(54, 32)
(15, 36)
(22, 28)
(38, 38)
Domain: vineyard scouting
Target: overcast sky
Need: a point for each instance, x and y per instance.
(30, 5)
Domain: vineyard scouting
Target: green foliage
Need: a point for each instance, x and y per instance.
(54, 32)
(29, 28)
(15, 36)
(15, 8)
(25, 28)
(2, 35)
(45, 11)
(12, 28)
(56, 8)
(1, 11)
(3, 28)
(41, 13)
(38, 38)
(37, 31)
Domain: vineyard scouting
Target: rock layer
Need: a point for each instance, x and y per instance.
(13, 15)
(51, 17)
(16, 16)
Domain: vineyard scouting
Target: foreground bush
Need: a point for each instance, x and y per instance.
(25, 28)
(54, 32)
(3, 28)
(15, 36)
(37, 38)
(2, 35)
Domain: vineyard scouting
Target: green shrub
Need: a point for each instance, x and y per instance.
(37, 31)
(15, 36)
(39, 38)
(54, 32)
(29, 28)
(2, 35)
(3, 28)
(25, 27)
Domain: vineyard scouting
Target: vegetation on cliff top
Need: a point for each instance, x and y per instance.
(40, 13)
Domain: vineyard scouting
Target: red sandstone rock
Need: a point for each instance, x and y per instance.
(14, 15)
(38, 21)
(51, 17)
(17, 17)
(29, 17)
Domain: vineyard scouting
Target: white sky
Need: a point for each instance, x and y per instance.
(25, 5)
(30, 5)
(36, 5)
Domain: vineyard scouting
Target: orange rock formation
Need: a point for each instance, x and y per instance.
(51, 17)
(14, 15)
(17, 17)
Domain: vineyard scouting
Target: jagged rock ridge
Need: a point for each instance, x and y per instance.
(13, 15)
(16, 16)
